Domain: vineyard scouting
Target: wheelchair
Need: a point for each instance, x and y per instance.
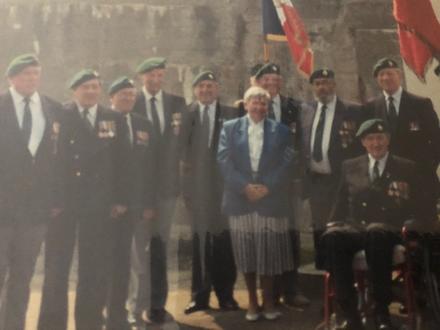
(415, 282)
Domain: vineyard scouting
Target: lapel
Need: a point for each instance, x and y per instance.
(269, 134)
(309, 116)
(284, 109)
(167, 112)
(218, 123)
(381, 107)
(12, 120)
(242, 142)
(404, 116)
(49, 126)
(337, 123)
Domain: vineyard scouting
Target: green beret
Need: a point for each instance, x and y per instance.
(384, 63)
(254, 69)
(151, 64)
(205, 75)
(21, 62)
(322, 73)
(120, 83)
(268, 68)
(82, 77)
(370, 126)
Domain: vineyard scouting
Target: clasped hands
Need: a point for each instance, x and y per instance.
(255, 192)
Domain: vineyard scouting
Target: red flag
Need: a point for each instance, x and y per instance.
(419, 33)
(296, 35)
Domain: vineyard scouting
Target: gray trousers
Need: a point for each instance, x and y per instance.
(149, 280)
(20, 244)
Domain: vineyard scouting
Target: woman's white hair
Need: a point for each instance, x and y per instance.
(255, 91)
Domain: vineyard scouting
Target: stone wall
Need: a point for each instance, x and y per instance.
(113, 36)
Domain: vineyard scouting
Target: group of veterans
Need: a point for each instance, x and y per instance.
(108, 181)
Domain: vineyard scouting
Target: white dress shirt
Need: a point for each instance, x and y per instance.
(211, 114)
(256, 140)
(38, 119)
(159, 107)
(397, 96)
(323, 167)
(130, 127)
(381, 165)
(91, 116)
(276, 106)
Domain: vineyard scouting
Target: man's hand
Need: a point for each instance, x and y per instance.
(117, 210)
(255, 192)
(148, 214)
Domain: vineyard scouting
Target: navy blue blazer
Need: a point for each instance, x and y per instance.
(274, 169)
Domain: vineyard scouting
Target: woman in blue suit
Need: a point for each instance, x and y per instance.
(255, 155)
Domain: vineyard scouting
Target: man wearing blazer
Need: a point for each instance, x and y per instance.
(140, 141)
(30, 182)
(328, 126)
(95, 155)
(165, 112)
(286, 110)
(376, 195)
(414, 125)
(213, 261)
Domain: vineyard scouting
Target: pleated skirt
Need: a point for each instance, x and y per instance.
(261, 244)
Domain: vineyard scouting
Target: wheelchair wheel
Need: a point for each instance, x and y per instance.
(432, 281)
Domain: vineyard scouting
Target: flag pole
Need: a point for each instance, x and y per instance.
(266, 53)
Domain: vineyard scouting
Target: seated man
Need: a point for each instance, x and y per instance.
(375, 198)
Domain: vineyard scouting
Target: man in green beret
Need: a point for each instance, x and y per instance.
(139, 160)
(414, 127)
(94, 140)
(165, 111)
(285, 110)
(239, 104)
(30, 182)
(213, 262)
(328, 127)
(376, 196)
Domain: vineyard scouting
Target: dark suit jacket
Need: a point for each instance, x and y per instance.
(202, 181)
(274, 168)
(417, 136)
(361, 201)
(168, 146)
(29, 185)
(95, 162)
(140, 164)
(345, 113)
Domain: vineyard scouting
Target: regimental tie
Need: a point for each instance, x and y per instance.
(26, 127)
(376, 173)
(85, 118)
(271, 113)
(155, 117)
(206, 129)
(319, 133)
(392, 115)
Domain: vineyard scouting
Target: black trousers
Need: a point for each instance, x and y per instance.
(119, 276)
(286, 284)
(340, 245)
(219, 268)
(93, 233)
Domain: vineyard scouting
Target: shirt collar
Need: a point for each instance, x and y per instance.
(396, 96)
(330, 105)
(17, 97)
(211, 106)
(92, 110)
(148, 96)
(277, 99)
(382, 161)
(253, 124)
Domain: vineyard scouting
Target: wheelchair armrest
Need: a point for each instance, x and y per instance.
(334, 224)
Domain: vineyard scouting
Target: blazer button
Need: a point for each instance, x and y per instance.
(76, 157)
(72, 141)
(364, 204)
(383, 208)
(363, 222)
(78, 173)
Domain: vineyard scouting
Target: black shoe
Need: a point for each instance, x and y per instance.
(122, 326)
(383, 322)
(157, 315)
(228, 305)
(195, 307)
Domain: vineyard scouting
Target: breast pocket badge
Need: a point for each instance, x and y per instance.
(414, 126)
(106, 129)
(176, 123)
(142, 138)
